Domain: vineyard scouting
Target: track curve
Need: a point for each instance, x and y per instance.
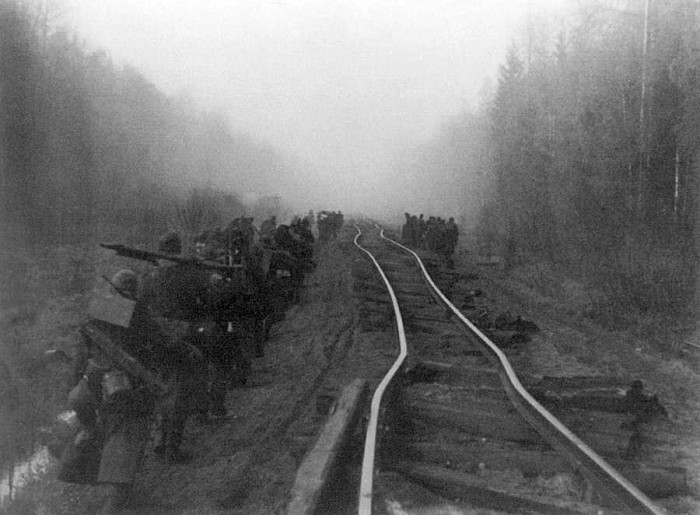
(617, 490)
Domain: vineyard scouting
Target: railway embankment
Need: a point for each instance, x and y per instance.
(343, 329)
(602, 357)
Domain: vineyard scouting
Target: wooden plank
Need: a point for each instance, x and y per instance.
(580, 382)
(656, 482)
(610, 400)
(473, 490)
(320, 464)
(470, 456)
(495, 401)
(476, 421)
(496, 424)
(448, 373)
(491, 401)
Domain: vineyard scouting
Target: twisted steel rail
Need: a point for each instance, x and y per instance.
(618, 489)
(367, 479)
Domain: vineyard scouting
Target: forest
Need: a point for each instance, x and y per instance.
(584, 156)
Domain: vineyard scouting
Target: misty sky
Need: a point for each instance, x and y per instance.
(346, 84)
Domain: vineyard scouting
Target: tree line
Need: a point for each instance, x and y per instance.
(86, 145)
(591, 155)
(595, 147)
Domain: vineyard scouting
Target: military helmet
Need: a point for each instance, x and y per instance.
(170, 243)
(126, 282)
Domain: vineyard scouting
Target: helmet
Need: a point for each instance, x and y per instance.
(126, 283)
(170, 243)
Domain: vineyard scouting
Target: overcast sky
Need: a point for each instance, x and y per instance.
(345, 84)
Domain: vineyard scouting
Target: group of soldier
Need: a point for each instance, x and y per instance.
(168, 347)
(434, 234)
(328, 223)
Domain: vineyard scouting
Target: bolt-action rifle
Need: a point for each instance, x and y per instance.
(236, 275)
(153, 257)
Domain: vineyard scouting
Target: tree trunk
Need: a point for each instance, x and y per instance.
(696, 242)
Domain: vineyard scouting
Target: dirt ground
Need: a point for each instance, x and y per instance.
(247, 463)
(570, 343)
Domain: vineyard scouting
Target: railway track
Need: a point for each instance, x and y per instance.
(451, 428)
(441, 435)
(484, 415)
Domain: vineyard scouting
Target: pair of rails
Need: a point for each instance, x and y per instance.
(622, 494)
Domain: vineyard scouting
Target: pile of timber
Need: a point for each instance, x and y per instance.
(470, 402)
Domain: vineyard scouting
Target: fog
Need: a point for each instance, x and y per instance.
(345, 89)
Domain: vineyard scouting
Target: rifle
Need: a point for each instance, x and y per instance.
(237, 273)
(153, 257)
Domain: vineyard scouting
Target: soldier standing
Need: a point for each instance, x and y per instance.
(407, 230)
(175, 296)
(115, 386)
(267, 230)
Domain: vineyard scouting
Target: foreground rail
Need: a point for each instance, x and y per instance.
(367, 478)
(619, 491)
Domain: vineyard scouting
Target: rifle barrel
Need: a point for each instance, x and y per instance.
(153, 257)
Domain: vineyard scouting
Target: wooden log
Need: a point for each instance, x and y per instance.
(490, 400)
(496, 401)
(468, 391)
(427, 310)
(470, 456)
(377, 298)
(582, 421)
(473, 490)
(452, 373)
(494, 424)
(640, 406)
(507, 339)
(418, 290)
(479, 422)
(624, 421)
(431, 318)
(447, 373)
(612, 433)
(320, 465)
(612, 400)
(656, 482)
(579, 382)
(480, 390)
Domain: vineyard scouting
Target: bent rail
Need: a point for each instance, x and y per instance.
(597, 470)
(367, 479)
